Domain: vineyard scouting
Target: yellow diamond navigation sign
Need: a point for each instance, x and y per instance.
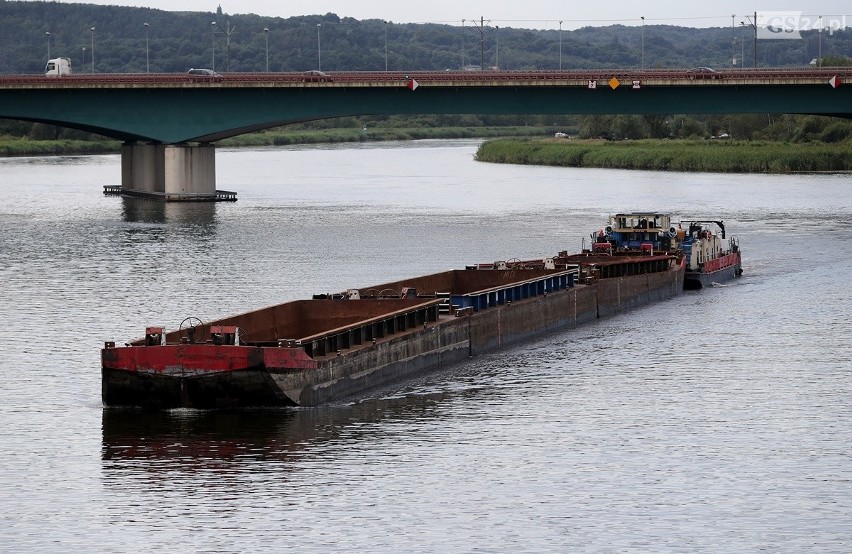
(613, 83)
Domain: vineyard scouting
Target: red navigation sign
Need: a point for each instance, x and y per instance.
(834, 81)
(412, 84)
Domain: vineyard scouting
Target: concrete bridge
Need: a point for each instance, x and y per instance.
(168, 122)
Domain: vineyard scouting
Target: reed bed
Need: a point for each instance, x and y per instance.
(16, 146)
(725, 156)
(283, 138)
(61, 147)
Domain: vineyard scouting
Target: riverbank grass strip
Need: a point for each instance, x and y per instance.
(725, 156)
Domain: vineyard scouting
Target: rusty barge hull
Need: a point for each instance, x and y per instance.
(310, 352)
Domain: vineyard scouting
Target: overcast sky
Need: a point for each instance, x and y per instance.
(535, 14)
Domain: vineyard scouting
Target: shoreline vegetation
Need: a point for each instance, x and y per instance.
(718, 156)
(525, 147)
(22, 146)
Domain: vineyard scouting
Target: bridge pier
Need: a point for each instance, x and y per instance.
(172, 172)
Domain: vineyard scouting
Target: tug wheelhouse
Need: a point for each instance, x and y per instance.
(641, 232)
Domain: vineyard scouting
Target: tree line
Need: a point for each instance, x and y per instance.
(176, 41)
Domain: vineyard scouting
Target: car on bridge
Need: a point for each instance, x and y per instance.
(316, 76)
(203, 74)
(703, 73)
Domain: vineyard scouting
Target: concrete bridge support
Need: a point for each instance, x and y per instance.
(172, 172)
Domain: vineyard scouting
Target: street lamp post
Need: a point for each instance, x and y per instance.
(754, 43)
(83, 63)
(560, 46)
(213, 27)
(642, 58)
(47, 33)
(319, 48)
(819, 55)
(733, 42)
(228, 31)
(462, 44)
(742, 45)
(93, 49)
(481, 43)
(266, 36)
(386, 46)
(147, 59)
(497, 47)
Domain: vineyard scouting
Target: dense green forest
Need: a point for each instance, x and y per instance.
(177, 41)
(180, 40)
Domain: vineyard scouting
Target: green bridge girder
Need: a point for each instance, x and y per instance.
(207, 112)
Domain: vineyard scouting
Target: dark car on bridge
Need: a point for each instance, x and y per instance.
(315, 76)
(703, 73)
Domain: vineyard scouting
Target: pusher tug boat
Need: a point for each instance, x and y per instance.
(710, 256)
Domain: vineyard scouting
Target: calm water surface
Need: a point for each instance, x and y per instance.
(717, 421)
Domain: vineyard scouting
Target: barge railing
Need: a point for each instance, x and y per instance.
(519, 290)
(369, 330)
(366, 331)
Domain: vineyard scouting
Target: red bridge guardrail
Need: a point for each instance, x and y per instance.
(399, 78)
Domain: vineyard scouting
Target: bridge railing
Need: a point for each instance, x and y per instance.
(424, 77)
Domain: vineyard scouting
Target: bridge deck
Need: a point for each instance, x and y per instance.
(180, 108)
(357, 79)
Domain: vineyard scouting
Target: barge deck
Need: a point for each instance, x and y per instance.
(309, 352)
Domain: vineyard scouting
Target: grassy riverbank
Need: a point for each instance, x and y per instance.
(672, 155)
(282, 138)
(62, 147)
(15, 146)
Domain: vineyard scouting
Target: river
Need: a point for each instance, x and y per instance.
(716, 421)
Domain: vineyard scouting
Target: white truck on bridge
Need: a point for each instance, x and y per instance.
(57, 67)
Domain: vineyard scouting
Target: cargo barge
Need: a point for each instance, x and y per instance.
(309, 352)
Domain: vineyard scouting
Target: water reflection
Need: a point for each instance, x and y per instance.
(142, 210)
(215, 439)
